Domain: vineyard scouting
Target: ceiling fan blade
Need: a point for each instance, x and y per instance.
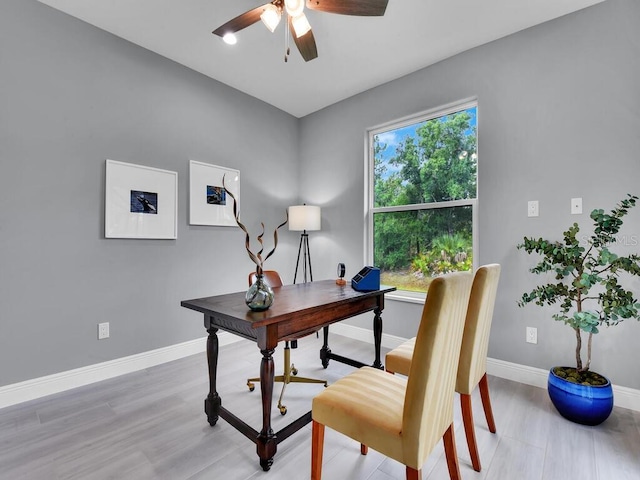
(306, 44)
(241, 21)
(361, 8)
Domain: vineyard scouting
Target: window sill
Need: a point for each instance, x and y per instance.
(406, 296)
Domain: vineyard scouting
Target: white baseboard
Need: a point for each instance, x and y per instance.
(40, 387)
(622, 396)
(365, 335)
(59, 382)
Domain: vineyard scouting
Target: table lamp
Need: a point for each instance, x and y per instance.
(304, 218)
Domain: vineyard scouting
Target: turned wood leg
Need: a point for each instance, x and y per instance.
(266, 444)
(377, 336)
(450, 453)
(486, 403)
(469, 431)
(413, 474)
(317, 447)
(325, 351)
(213, 401)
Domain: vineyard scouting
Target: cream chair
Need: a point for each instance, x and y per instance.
(472, 369)
(403, 418)
(290, 371)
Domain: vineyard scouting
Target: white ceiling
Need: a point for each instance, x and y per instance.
(354, 53)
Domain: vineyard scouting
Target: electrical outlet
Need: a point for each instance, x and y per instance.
(532, 335)
(103, 330)
(532, 208)
(576, 206)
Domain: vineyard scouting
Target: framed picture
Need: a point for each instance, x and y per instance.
(209, 203)
(140, 202)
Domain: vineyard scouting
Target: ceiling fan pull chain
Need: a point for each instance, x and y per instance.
(287, 50)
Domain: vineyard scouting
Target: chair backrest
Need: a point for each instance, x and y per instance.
(270, 276)
(477, 327)
(428, 405)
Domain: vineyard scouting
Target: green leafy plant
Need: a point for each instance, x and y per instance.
(587, 277)
(448, 253)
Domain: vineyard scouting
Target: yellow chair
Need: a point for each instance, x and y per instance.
(403, 418)
(290, 371)
(472, 369)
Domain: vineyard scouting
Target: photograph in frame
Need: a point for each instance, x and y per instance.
(209, 203)
(140, 202)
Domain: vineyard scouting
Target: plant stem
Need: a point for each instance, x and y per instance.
(578, 348)
(589, 351)
(578, 334)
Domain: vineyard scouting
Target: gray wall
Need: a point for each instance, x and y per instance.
(559, 116)
(72, 96)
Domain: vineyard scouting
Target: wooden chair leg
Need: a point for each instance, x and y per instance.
(469, 431)
(317, 446)
(364, 449)
(413, 474)
(486, 403)
(450, 453)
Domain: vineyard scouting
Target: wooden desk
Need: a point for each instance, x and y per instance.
(297, 309)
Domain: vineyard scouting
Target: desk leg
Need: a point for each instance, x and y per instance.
(213, 401)
(325, 351)
(266, 444)
(377, 336)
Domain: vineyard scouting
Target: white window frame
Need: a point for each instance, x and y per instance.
(370, 210)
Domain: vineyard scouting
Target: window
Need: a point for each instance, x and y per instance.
(422, 196)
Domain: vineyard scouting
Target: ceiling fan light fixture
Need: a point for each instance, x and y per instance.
(230, 39)
(300, 25)
(271, 17)
(294, 7)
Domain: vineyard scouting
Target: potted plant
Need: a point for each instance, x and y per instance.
(587, 289)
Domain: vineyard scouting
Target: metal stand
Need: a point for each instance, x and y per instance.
(306, 262)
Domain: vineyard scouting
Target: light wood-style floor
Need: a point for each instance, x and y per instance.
(151, 425)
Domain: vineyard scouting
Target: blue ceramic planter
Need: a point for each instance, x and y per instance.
(585, 404)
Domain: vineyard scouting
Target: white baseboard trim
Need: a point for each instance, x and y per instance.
(624, 397)
(40, 387)
(365, 335)
(518, 373)
(59, 382)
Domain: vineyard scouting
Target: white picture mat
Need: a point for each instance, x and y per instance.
(120, 222)
(200, 176)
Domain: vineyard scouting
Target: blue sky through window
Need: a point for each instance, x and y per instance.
(395, 137)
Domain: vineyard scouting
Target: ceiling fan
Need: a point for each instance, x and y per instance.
(297, 23)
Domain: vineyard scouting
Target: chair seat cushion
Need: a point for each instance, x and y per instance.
(366, 405)
(398, 360)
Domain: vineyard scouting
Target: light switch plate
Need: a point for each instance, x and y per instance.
(532, 209)
(576, 206)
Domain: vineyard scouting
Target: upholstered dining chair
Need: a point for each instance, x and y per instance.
(472, 369)
(403, 418)
(290, 371)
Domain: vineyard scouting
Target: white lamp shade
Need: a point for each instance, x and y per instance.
(270, 17)
(300, 25)
(294, 7)
(304, 217)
